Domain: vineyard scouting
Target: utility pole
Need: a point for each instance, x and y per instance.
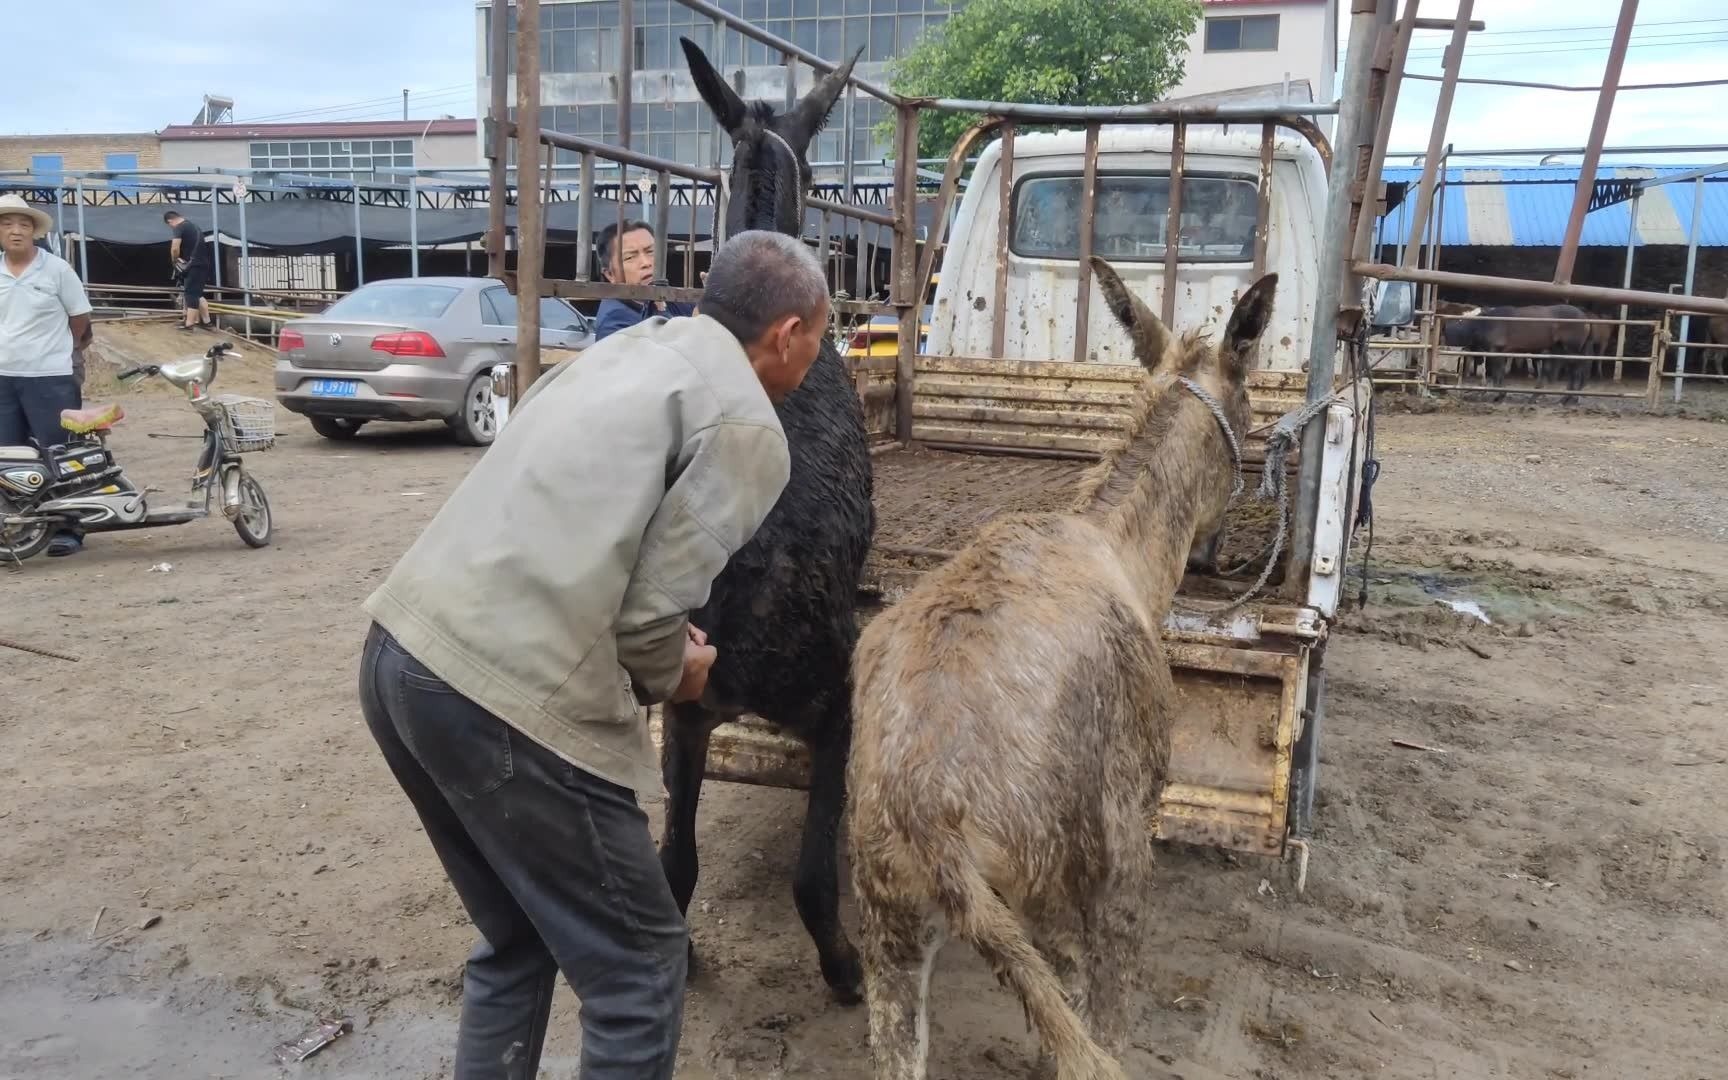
(404, 103)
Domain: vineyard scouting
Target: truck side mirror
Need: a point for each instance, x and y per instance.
(1394, 304)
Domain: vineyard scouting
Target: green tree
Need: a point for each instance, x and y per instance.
(1045, 52)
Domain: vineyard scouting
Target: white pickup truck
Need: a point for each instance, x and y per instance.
(1006, 371)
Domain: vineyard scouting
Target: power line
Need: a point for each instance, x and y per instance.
(1607, 26)
(1587, 42)
(1503, 49)
(343, 106)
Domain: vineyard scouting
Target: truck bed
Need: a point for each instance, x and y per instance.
(940, 500)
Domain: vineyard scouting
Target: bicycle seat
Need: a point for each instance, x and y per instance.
(88, 421)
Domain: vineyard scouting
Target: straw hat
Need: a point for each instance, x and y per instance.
(13, 204)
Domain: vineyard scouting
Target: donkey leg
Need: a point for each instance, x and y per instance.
(816, 882)
(683, 760)
(1115, 943)
(899, 954)
(1056, 931)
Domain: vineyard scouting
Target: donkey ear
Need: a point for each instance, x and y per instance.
(808, 116)
(1252, 315)
(728, 107)
(1151, 339)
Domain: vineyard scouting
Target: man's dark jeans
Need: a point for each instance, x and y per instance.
(30, 408)
(555, 866)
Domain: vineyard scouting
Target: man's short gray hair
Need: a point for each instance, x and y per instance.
(759, 277)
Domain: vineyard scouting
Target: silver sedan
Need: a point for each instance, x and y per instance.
(411, 349)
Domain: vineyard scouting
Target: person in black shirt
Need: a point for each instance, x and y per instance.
(192, 264)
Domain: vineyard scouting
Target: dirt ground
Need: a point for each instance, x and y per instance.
(1540, 895)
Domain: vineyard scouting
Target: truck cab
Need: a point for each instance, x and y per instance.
(1216, 256)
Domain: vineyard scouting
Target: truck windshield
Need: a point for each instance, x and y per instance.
(1131, 215)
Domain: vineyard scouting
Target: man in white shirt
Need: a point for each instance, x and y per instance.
(44, 313)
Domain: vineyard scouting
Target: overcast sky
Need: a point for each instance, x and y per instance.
(125, 66)
(1551, 41)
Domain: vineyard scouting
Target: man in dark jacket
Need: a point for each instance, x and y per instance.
(627, 258)
(193, 262)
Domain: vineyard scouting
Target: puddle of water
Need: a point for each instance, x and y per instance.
(1488, 597)
(1466, 607)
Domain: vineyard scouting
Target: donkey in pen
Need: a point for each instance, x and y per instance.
(782, 613)
(1013, 719)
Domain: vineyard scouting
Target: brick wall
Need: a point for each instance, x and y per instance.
(80, 152)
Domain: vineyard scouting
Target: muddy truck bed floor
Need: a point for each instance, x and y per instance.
(939, 500)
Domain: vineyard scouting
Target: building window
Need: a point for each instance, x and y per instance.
(127, 163)
(582, 37)
(49, 168)
(339, 158)
(1242, 33)
(1131, 215)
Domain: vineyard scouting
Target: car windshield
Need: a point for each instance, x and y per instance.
(394, 302)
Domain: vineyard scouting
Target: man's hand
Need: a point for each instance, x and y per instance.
(698, 658)
(696, 633)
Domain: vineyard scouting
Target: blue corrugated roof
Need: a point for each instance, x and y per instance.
(1527, 206)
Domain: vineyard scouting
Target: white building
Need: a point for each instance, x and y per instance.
(1258, 43)
(322, 148)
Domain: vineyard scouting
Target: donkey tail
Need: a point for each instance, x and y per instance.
(977, 914)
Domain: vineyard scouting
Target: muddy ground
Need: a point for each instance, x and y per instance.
(1539, 895)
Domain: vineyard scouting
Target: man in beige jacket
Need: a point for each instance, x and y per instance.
(515, 642)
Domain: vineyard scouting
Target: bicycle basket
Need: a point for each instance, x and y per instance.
(247, 423)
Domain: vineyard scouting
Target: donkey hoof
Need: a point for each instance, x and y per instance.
(845, 978)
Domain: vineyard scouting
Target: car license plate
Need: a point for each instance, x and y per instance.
(335, 387)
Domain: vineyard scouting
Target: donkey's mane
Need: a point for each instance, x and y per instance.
(1108, 484)
(748, 154)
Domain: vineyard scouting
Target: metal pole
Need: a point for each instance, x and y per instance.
(359, 249)
(1394, 78)
(413, 215)
(905, 267)
(1172, 222)
(1442, 113)
(662, 221)
(215, 230)
(1335, 277)
(1626, 283)
(530, 220)
(1691, 276)
(1004, 243)
(585, 220)
(626, 73)
(245, 254)
(1593, 151)
(84, 244)
(1088, 219)
(497, 140)
(848, 154)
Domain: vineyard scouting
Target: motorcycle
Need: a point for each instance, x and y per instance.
(80, 485)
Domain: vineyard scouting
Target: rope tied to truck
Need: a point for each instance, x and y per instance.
(1273, 487)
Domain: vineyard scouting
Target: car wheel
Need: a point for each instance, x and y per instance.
(475, 424)
(339, 428)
